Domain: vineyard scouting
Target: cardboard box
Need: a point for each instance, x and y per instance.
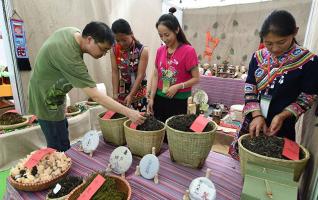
(261, 179)
(273, 170)
(257, 188)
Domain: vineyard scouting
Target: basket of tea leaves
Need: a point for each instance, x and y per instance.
(187, 147)
(112, 187)
(142, 138)
(72, 110)
(65, 187)
(112, 127)
(269, 150)
(12, 120)
(91, 102)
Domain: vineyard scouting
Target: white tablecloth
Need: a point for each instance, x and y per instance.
(94, 112)
(19, 143)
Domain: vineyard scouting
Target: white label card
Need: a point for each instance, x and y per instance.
(265, 103)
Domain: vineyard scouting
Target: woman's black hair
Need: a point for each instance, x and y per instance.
(99, 31)
(121, 26)
(171, 22)
(279, 22)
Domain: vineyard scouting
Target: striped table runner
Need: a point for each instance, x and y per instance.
(173, 178)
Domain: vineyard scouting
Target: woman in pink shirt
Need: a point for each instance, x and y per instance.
(176, 70)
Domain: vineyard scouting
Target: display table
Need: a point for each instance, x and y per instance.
(19, 143)
(173, 178)
(222, 90)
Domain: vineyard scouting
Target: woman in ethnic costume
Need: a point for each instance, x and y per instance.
(282, 81)
(129, 60)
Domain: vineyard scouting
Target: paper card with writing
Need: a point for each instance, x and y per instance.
(120, 160)
(199, 123)
(37, 156)
(108, 114)
(133, 125)
(291, 149)
(92, 188)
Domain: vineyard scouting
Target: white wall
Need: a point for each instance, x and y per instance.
(43, 17)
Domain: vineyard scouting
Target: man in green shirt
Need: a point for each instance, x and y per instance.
(59, 66)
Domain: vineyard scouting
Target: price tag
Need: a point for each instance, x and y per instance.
(37, 156)
(92, 188)
(133, 125)
(291, 149)
(199, 124)
(108, 114)
(11, 111)
(32, 119)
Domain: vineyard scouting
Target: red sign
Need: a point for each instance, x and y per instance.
(133, 125)
(37, 156)
(32, 119)
(199, 124)
(92, 188)
(108, 114)
(291, 149)
(11, 111)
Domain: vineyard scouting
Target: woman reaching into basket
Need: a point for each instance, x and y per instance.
(176, 70)
(282, 81)
(129, 59)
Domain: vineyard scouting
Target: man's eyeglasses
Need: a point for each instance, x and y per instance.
(104, 50)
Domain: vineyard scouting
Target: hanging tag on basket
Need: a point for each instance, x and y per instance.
(92, 188)
(291, 149)
(108, 114)
(199, 124)
(37, 156)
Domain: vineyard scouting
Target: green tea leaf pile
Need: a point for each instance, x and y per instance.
(108, 191)
(11, 118)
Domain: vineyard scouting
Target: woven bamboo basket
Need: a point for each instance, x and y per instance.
(122, 186)
(113, 129)
(297, 165)
(34, 187)
(73, 113)
(190, 149)
(140, 143)
(13, 126)
(68, 195)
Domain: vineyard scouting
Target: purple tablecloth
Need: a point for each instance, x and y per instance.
(174, 179)
(222, 90)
